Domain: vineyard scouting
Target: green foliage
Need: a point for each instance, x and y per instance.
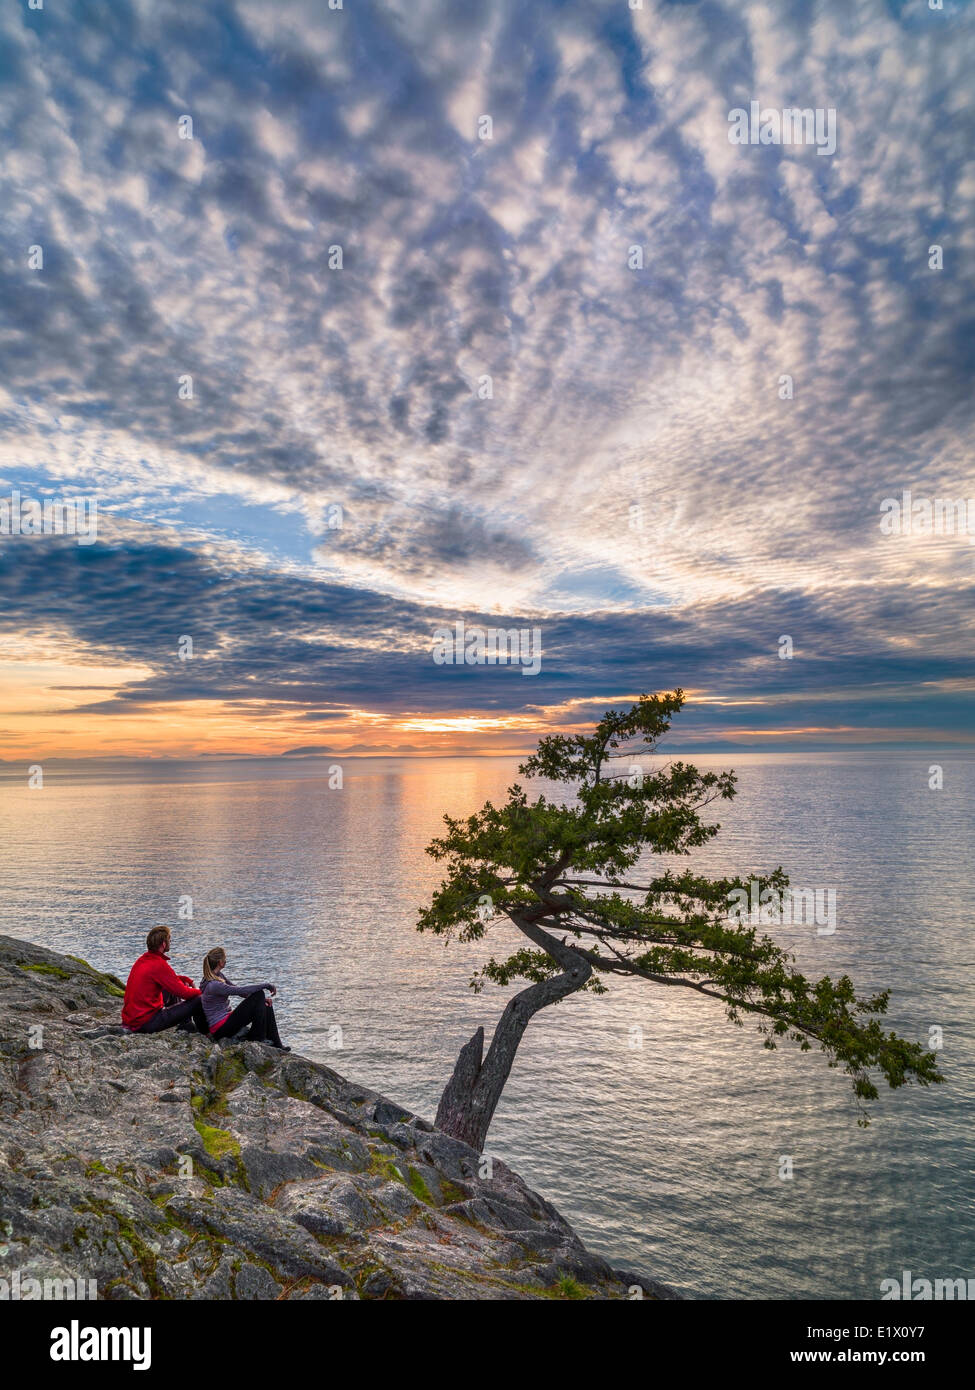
(567, 1287)
(559, 873)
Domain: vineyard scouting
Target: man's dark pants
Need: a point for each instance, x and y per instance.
(181, 1014)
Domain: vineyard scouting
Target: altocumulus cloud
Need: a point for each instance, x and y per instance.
(631, 478)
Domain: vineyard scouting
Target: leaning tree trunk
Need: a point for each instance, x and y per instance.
(471, 1095)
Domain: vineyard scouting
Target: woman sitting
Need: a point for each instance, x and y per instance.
(256, 1013)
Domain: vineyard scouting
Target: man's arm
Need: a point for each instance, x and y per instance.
(166, 978)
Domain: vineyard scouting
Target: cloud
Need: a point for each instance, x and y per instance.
(512, 419)
(276, 645)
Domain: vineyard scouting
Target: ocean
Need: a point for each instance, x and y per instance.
(664, 1133)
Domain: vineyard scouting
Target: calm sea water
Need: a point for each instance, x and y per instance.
(666, 1157)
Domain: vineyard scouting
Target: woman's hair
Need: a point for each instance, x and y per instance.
(213, 963)
(158, 939)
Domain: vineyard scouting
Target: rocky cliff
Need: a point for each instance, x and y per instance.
(173, 1167)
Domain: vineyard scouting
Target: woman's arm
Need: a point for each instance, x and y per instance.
(224, 988)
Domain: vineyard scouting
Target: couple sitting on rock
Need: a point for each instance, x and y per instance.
(157, 998)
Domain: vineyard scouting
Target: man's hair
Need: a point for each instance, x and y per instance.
(158, 938)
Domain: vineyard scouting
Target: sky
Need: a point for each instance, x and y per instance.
(353, 363)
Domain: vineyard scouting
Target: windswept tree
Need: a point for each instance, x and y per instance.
(560, 874)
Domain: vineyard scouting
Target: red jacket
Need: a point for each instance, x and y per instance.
(151, 974)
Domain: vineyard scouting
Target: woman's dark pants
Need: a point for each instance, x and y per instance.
(257, 1012)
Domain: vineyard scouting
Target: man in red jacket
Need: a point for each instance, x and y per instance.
(152, 989)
